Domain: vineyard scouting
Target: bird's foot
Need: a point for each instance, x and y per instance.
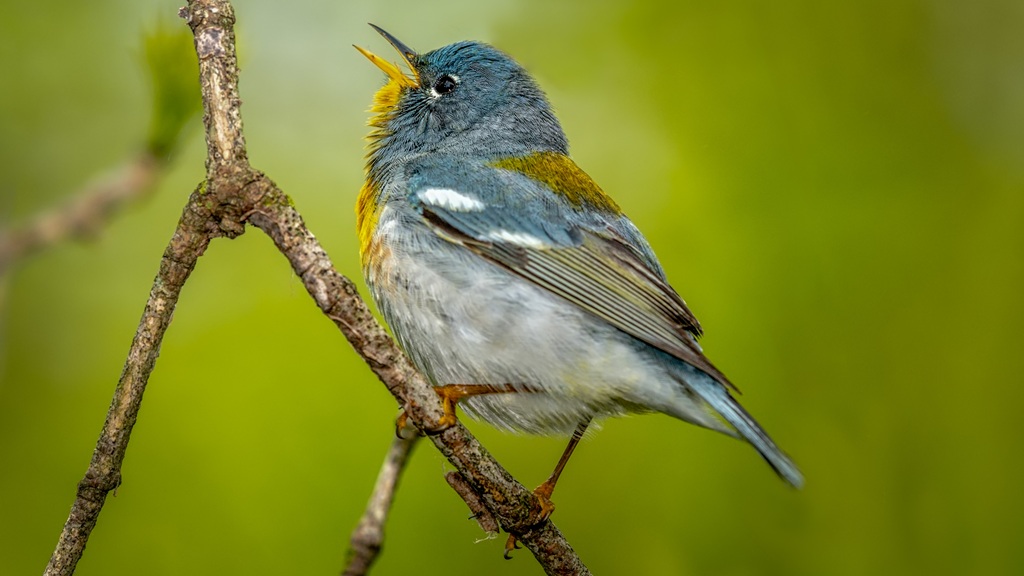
(446, 421)
(547, 507)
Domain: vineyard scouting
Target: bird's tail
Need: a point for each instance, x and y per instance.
(719, 399)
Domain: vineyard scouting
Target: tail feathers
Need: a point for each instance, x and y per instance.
(725, 405)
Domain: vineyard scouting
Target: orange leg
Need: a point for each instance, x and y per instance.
(450, 395)
(544, 491)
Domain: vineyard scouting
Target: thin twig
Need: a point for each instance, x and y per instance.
(84, 214)
(480, 512)
(368, 537)
(104, 474)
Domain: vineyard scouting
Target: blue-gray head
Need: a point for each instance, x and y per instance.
(464, 98)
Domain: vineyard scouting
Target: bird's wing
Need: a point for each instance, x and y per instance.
(598, 262)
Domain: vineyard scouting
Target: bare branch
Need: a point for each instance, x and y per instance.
(368, 536)
(104, 474)
(84, 214)
(213, 25)
(481, 514)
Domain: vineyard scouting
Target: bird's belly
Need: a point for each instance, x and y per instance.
(465, 320)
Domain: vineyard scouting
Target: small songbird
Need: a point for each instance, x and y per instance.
(513, 282)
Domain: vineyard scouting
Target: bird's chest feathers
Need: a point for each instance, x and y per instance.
(400, 256)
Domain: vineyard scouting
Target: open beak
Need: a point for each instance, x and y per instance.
(393, 71)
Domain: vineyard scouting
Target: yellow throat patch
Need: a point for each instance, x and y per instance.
(368, 205)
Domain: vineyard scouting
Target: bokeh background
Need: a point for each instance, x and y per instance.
(836, 188)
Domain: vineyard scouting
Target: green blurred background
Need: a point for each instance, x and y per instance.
(836, 188)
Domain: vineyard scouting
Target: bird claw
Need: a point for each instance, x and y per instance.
(510, 545)
(402, 424)
(547, 507)
(446, 421)
(543, 494)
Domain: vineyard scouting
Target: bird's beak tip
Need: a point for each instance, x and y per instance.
(393, 71)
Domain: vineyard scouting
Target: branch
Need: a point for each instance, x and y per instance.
(235, 193)
(368, 536)
(480, 512)
(190, 240)
(84, 214)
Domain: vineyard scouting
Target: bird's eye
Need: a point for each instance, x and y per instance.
(445, 84)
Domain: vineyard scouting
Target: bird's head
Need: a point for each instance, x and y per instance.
(466, 98)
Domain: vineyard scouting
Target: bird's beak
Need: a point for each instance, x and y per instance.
(393, 71)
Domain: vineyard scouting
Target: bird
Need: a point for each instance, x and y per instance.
(512, 281)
